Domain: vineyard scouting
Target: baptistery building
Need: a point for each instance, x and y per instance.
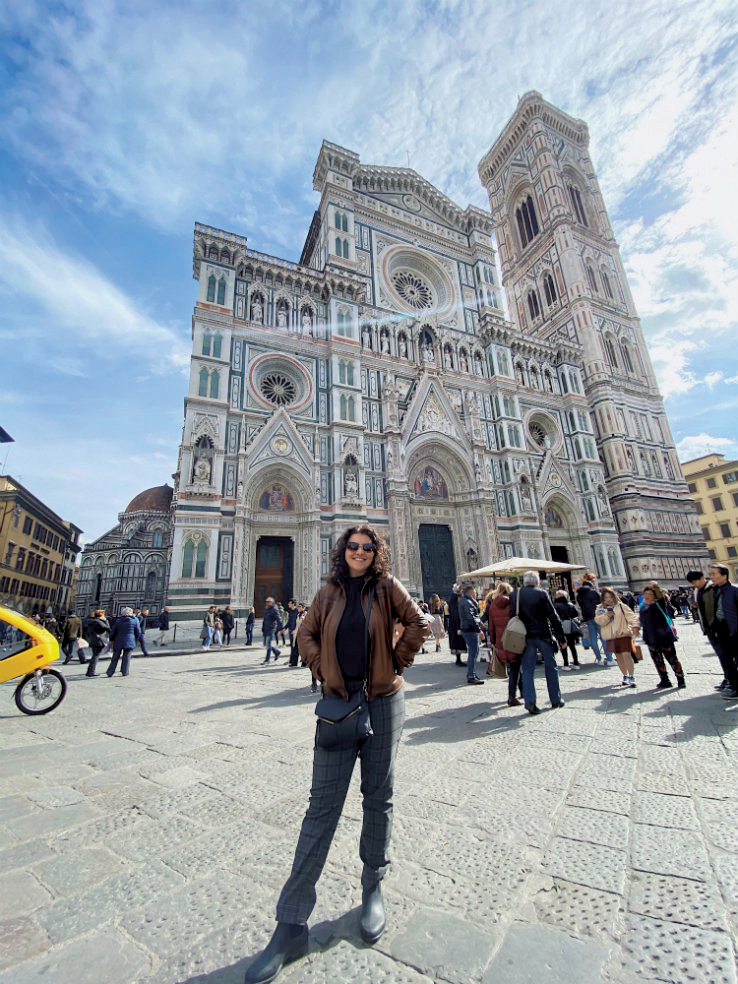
(474, 383)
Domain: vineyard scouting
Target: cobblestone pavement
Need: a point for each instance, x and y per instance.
(148, 823)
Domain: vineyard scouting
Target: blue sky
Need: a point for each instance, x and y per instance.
(125, 122)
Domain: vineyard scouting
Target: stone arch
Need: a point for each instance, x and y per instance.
(441, 453)
(279, 473)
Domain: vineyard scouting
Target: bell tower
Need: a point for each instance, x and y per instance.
(564, 278)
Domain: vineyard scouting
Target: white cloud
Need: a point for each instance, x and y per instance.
(694, 446)
(80, 303)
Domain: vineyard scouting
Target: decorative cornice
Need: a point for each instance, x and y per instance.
(532, 106)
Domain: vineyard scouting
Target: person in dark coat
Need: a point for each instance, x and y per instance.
(123, 638)
(163, 624)
(455, 638)
(228, 621)
(94, 631)
(71, 632)
(567, 612)
(539, 616)
(271, 625)
(250, 620)
(588, 599)
(658, 635)
(497, 615)
(724, 627)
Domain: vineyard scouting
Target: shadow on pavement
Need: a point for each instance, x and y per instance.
(323, 936)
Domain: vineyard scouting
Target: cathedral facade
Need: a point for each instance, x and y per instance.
(392, 377)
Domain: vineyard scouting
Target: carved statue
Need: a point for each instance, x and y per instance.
(428, 353)
(385, 343)
(307, 322)
(403, 348)
(448, 359)
(202, 470)
(257, 310)
(281, 318)
(350, 485)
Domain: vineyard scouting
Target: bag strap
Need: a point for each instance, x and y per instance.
(366, 639)
(667, 617)
(517, 602)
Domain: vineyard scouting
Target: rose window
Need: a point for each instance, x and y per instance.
(538, 434)
(413, 290)
(544, 431)
(278, 389)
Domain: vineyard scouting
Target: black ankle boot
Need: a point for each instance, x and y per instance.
(288, 942)
(665, 682)
(373, 919)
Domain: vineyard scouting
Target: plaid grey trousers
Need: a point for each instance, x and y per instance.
(332, 770)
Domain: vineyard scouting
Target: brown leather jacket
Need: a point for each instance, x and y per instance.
(316, 637)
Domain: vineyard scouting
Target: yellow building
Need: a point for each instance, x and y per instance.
(713, 484)
(37, 552)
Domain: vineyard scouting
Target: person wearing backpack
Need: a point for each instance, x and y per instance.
(538, 614)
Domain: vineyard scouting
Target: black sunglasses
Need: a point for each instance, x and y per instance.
(366, 547)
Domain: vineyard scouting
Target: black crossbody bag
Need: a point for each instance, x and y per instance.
(343, 723)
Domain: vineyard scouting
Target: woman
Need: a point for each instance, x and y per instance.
(455, 638)
(346, 640)
(658, 635)
(567, 613)
(618, 624)
(218, 630)
(436, 609)
(497, 615)
(123, 638)
(250, 619)
(93, 633)
(228, 622)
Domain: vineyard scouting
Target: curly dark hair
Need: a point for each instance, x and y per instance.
(380, 566)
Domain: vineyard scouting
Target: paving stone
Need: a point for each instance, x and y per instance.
(190, 913)
(56, 796)
(50, 822)
(191, 801)
(109, 900)
(726, 869)
(21, 939)
(579, 909)
(221, 957)
(13, 807)
(593, 865)
(675, 952)
(22, 855)
(664, 811)
(76, 870)
(677, 900)
(722, 835)
(669, 852)
(109, 957)
(596, 826)
(722, 811)
(662, 782)
(599, 799)
(348, 961)
(657, 758)
(559, 958)
(439, 944)
(20, 892)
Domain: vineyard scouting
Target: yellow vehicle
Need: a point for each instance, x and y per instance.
(26, 649)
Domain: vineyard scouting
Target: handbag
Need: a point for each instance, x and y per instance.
(82, 643)
(343, 724)
(669, 622)
(496, 667)
(514, 636)
(571, 626)
(637, 653)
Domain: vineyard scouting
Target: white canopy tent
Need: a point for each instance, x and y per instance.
(514, 565)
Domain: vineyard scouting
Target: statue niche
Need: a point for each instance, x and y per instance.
(202, 465)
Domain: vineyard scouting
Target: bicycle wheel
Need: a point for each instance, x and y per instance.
(39, 694)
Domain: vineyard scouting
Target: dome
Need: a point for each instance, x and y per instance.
(157, 499)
